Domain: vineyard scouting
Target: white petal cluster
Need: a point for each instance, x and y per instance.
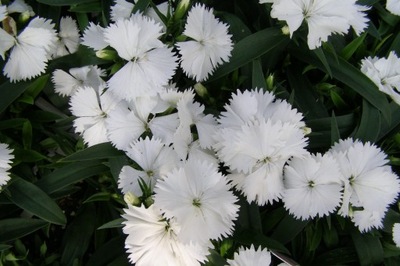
(154, 159)
(323, 18)
(370, 186)
(385, 73)
(251, 256)
(30, 50)
(90, 107)
(20, 6)
(210, 43)
(393, 6)
(69, 38)
(3, 12)
(150, 64)
(93, 37)
(197, 196)
(67, 84)
(317, 181)
(257, 136)
(6, 157)
(153, 240)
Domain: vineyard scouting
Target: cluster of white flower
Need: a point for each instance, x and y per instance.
(5, 163)
(385, 73)
(36, 44)
(323, 18)
(351, 175)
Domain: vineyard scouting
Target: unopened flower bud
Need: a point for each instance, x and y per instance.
(181, 9)
(132, 199)
(285, 30)
(200, 89)
(270, 82)
(107, 54)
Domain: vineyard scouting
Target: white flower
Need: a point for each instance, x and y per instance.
(211, 44)
(66, 84)
(396, 234)
(93, 37)
(256, 136)
(191, 113)
(152, 240)
(255, 106)
(251, 256)
(5, 163)
(365, 220)
(28, 58)
(393, 6)
(150, 64)
(19, 6)
(323, 17)
(385, 73)
(129, 120)
(198, 197)
(3, 12)
(317, 181)
(91, 109)
(369, 184)
(154, 159)
(69, 37)
(257, 153)
(121, 9)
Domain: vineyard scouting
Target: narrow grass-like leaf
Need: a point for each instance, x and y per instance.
(112, 224)
(78, 235)
(258, 79)
(215, 259)
(352, 47)
(87, 7)
(288, 229)
(335, 133)
(15, 228)
(304, 97)
(339, 256)
(70, 174)
(32, 199)
(368, 247)
(10, 92)
(108, 252)
(351, 76)
(140, 6)
(252, 47)
(388, 128)
(101, 196)
(370, 116)
(99, 151)
(319, 52)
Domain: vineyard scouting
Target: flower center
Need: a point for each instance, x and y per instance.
(196, 202)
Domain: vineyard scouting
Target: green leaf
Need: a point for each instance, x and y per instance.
(368, 247)
(248, 237)
(252, 47)
(10, 92)
(27, 134)
(370, 116)
(4, 247)
(32, 199)
(339, 256)
(15, 228)
(349, 75)
(288, 229)
(96, 152)
(319, 52)
(215, 259)
(101, 196)
(107, 253)
(112, 224)
(258, 79)
(24, 155)
(352, 47)
(63, 2)
(335, 133)
(70, 174)
(140, 6)
(78, 235)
